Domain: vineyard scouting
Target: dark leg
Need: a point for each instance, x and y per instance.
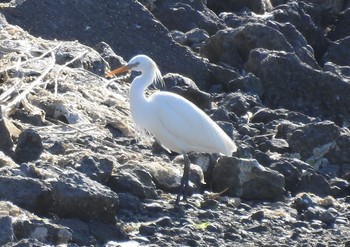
(184, 186)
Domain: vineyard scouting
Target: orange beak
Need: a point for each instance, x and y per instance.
(118, 71)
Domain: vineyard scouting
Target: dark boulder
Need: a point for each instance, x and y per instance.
(305, 139)
(313, 183)
(98, 169)
(341, 28)
(338, 52)
(307, 21)
(76, 195)
(291, 174)
(232, 46)
(28, 193)
(135, 180)
(188, 89)
(194, 14)
(29, 146)
(247, 179)
(310, 91)
(258, 7)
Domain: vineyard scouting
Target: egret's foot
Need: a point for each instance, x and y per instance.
(183, 192)
(184, 186)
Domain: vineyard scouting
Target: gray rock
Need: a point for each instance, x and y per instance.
(194, 14)
(266, 115)
(312, 213)
(42, 231)
(314, 183)
(340, 155)
(105, 232)
(341, 28)
(305, 139)
(28, 193)
(80, 232)
(78, 196)
(129, 202)
(92, 233)
(248, 83)
(339, 187)
(90, 61)
(135, 180)
(306, 20)
(107, 53)
(6, 143)
(27, 242)
(247, 179)
(291, 174)
(98, 169)
(342, 71)
(309, 91)
(196, 36)
(178, 36)
(6, 230)
(29, 146)
(232, 46)
(338, 47)
(303, 201)
(188, 89)
(239, 103)
(259, 6)
(57, 148)
(275, 145)
(328, 216)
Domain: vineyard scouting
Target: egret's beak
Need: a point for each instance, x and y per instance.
(118, 71)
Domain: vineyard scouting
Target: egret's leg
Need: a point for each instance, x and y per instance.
(184, 186)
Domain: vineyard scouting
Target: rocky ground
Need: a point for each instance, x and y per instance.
(273, 74)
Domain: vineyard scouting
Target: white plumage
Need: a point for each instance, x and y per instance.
(177, 123)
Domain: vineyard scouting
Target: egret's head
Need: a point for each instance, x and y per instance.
(140, 63)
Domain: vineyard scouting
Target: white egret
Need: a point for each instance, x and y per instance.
(175, 122)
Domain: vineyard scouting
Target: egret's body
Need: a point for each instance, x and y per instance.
(175, 122)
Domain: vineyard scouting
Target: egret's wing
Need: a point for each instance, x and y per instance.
(183, 124)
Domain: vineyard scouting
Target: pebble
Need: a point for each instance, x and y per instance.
(259, 215)
(328, 217)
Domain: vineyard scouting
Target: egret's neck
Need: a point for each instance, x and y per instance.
(138, 100)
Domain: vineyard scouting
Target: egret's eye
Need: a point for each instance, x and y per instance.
(135, 64)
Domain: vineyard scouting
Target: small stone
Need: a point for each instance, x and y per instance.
(6, 142)
(165, 222)
(232, 236)
(6, 230)
(214, 228)
(316, 224)
(57, 148)
(312, 213)
(147, 230)
(259, 215)
(208, 215)
(328, 217)
(259, 228)
(209, 204)
(197, 35)
(134, 180)
(178, 36)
